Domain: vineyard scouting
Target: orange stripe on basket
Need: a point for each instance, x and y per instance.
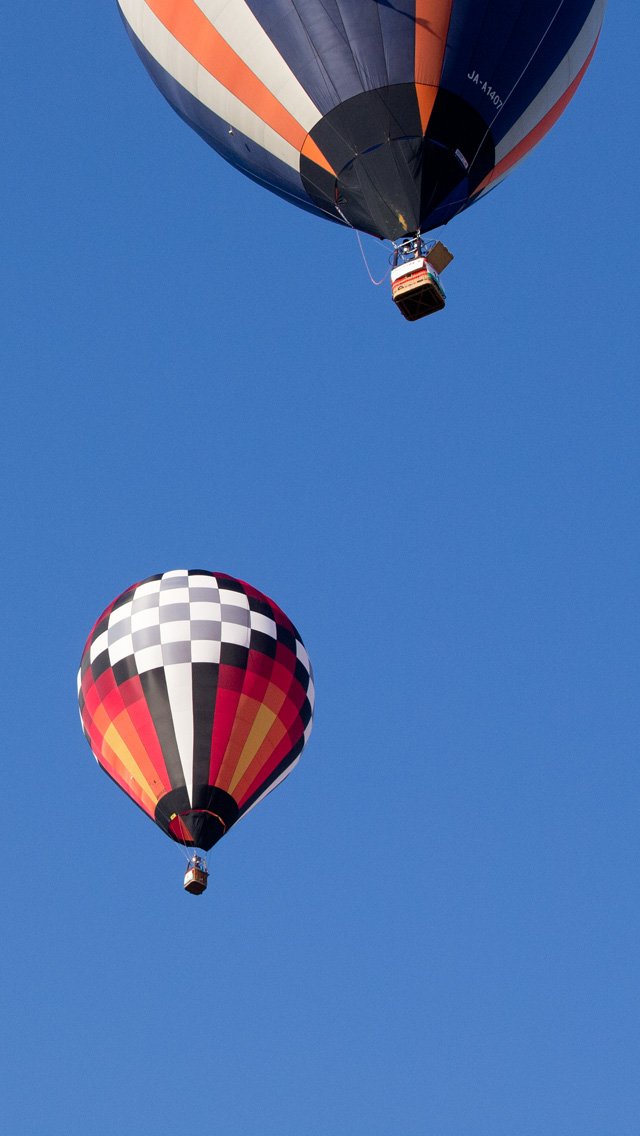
(432, 27)
(544, 126)
(189, 25)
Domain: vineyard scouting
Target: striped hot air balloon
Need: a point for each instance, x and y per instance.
(388, 115)
(196, 697)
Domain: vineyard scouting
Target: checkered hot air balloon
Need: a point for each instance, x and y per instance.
(196, 697)
(388, 115)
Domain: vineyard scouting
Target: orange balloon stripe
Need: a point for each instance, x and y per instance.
(245, 715)
(107, 709)
(111, 716)
(143, 724)
(262, 724)
(311, 150)
(279, 753)
(132, 723)
(255, 770)
(289, 713)
(108, 695)
(432, 28)
(426, 99)
(188, 24)
(116, 743)
(274, 698)
(120, 773)
(131, 738)
(101, 719)
(544, 126)
(247, 710)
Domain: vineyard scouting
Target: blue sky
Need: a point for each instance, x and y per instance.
(432, 927)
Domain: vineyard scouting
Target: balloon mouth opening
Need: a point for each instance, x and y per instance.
(395, 165)
(199, 819)
(197, 828)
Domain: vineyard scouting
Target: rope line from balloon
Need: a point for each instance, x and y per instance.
(348, 222)
(183, 843)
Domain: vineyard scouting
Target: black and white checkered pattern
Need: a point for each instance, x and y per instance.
(181, 618)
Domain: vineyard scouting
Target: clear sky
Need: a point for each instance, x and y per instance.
(431, 929)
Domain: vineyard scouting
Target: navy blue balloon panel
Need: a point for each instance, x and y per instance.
(387, 115)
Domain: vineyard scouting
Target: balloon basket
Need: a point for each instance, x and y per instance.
(416, 290)
(196, 878)
(415, 277)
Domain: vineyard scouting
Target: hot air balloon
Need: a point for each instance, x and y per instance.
(196, 696)
(390, 116)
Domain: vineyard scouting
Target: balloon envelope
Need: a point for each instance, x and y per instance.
(388, 115)
(196, 697)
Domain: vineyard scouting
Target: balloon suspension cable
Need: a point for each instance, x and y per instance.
(348, 222)
(376, 282)
(185, 850)
(520, 76)
(410, 245)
